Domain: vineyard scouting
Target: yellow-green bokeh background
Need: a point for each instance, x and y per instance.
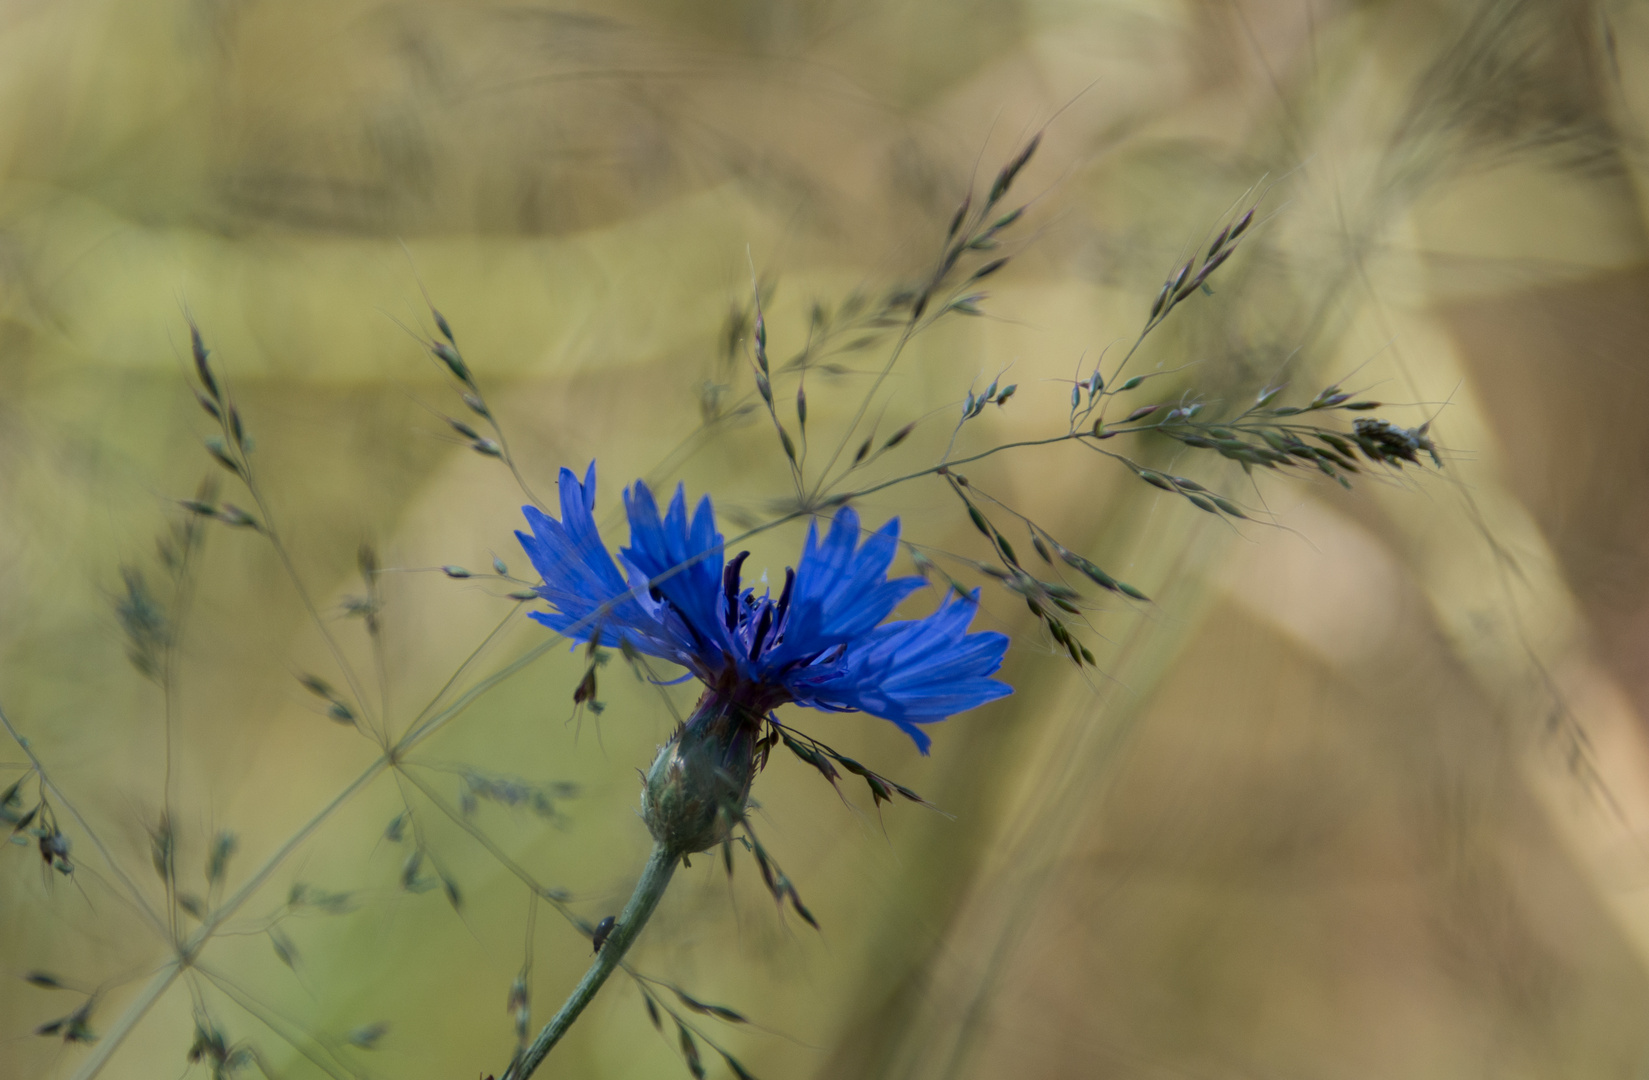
(1361, 797)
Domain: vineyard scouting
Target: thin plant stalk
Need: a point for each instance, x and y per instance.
(655, 878)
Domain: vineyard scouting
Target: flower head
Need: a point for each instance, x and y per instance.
(821, 642)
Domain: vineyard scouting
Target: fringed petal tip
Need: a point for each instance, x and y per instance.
(823, 643)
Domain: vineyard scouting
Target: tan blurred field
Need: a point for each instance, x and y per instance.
(1363, 796)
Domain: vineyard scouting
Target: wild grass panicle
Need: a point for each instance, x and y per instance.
(673, 605)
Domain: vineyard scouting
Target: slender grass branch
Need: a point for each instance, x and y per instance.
(286, 1029)
(134, 1014)
(227, 910)
(655, 878)
(137, 896)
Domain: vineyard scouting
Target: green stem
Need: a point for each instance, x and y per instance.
(655, 878)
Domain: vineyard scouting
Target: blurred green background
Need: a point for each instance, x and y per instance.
(1360, 797)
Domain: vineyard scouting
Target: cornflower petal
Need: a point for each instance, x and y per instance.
(581, 581)
(841, 593)
(682, 561)
(822, 644)
(915, 672)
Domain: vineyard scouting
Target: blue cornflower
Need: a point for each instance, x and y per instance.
(821, 643)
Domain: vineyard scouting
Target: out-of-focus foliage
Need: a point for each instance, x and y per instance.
(1358, 797)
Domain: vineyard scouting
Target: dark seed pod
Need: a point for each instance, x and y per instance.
(316, 685)
(285, 951)
(1005, 178)
(216, 448)
(1207, 268)
(1162, 298)
(690, 1052)
(202, 367)
(366, 1038)
(1218, 240)
(961, 212)
(988, 269)
(801, 909)
(455, 363)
